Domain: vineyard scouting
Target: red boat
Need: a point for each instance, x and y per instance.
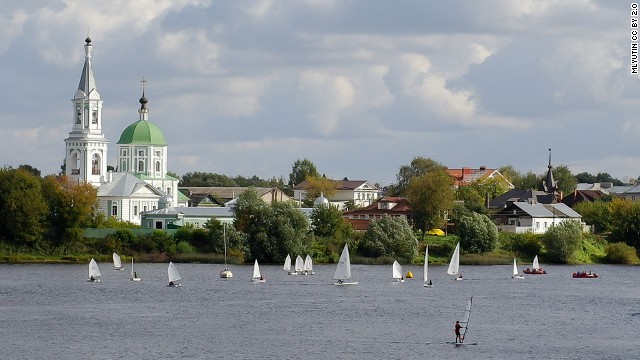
(584, 275)
(538, 271)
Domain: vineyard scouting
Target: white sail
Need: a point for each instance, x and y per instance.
(465, 319)
(515, 267)
(172, 271)
(343, 270)
(134, 276)
(397, 270)
(536, 265)
(116, 261)
(299, 264)
(93, 269)
(287, 263)
(427, 281)
(454, 264)
(257, 276)
(308, 265)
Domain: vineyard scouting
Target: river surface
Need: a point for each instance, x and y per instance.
(52, 312)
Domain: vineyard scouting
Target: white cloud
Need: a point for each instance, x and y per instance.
(11, 27)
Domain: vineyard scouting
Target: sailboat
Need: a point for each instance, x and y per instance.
(397, 272)
(94, 272)
(515, 274)
(117, 264)
(465, 324)
(307, 268)
(343, 270)
(174, 276)
(535, 268)
(454, 264)
(225, 273)
(257, 277)
(134, 275)
(427, 281)
(299, 265)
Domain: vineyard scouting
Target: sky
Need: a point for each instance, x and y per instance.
(358, 87)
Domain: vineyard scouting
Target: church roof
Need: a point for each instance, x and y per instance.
(87, 85)
(142, 132)
(124, 184)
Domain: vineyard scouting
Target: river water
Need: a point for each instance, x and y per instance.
(51, 312)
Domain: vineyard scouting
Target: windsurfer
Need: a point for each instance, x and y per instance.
(457, 331)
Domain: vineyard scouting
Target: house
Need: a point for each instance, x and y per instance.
(579, 196)
(361, 192)
(221, 196)
(519, 195)
(467, 176)
(396, 207)
(626, 192)
(529, 217)
(125, 197)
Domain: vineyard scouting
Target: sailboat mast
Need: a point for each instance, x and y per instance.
(224, 236)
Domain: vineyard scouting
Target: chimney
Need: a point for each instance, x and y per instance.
(483, 168)
(110, 176)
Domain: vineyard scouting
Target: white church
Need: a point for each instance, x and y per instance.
(142, 181)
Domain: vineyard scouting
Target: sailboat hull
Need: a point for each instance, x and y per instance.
(428, 286)
(135, 279)
(346, 283)
(226, 274)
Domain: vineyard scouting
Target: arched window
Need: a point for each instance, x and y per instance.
(95, 165)
(140, 166)
(157, 166)
(123, 166)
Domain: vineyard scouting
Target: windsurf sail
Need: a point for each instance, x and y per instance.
(465, 319)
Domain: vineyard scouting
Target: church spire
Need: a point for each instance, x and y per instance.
(144, 112)
(549, 182)
(87, 82)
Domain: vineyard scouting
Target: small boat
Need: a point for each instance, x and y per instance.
(299, 265)
(397, 272)
(134, 275)
(515, 274)
(343, 269)
(584, 275)
(117, 264)
(427, 281)
(174, 276)
(257, 276)
(454, 264)
(94, 272)
(287, 266)
(535, 268)
(307, 268)
(225, 273)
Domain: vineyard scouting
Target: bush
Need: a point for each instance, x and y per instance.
(621, 253)
(184, 247)
(477, 233)
(525, 245)
(562, 241)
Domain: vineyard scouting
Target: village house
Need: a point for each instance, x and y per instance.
(395, 207)
(361, 192)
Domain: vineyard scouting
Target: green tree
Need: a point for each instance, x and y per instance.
(389, 237)
(317, 186)
(326, 220)
(301, 170)
(419, 166)
(586, 178)
(625, 222)
(565, 179)
(477, 233)
(562, 241)
(71, 208)
(471, 198)
(621, 253)
(510, 173)
(22, 206)
(595, 213)
(528, 181)
(431, 197)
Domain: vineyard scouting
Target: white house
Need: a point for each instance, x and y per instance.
(361, 192)
(536, 218)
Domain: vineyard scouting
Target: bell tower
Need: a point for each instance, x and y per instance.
(86, 146)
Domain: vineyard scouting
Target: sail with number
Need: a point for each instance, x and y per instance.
(117, 264)
(454, 264)
(397, 270)
(94, 272)
(174, 275)
(299, 264)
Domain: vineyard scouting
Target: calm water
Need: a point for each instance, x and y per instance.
(51, 312)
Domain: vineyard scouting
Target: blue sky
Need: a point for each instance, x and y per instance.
(357, 87)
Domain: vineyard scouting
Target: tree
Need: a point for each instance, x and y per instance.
(625, 222)
(477, 233)
(419, 166)
(71, 208)
(565, 179)
(595, 213)
(562, 241)
(528, 181)
(510, 173)
(22, 206)
(389, 237)
(586, 178)
(326, 220)
(317, 186)
(30, 169)
(301, 170)
(431, 197)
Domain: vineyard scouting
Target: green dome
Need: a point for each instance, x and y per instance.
(142, 132)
